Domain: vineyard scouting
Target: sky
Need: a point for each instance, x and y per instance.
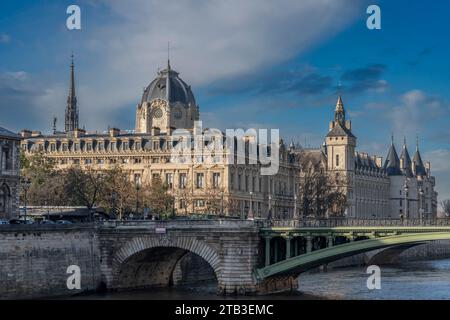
(251, 64)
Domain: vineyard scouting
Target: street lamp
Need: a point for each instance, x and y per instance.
(221, 203)
(270, 206)
(138, 187)
(406, 188)
(421, 209)
(26, 183)
(295, 207)
(250, 212)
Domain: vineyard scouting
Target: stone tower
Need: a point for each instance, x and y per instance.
(340, 146)
(167, 104)
(71, 118)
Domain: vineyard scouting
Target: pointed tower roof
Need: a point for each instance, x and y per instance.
(339, 128)
(418, 163)
(392, 164)
(71, 116)
(405, 163)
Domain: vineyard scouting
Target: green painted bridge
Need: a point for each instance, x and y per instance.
(290, 250)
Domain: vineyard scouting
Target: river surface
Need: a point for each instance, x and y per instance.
(412, 280)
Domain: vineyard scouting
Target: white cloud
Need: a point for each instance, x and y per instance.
(210, 40)
(416, 108)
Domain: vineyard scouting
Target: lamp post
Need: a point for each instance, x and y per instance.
(250, 212)
(221, 203)
(406, 188)
(295, 207)
(26, 183)
(138, 187)
(270, 207)
(421, 209)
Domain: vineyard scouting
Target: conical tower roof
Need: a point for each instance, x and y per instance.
(418, 163)
(405, 161)
(392, 164)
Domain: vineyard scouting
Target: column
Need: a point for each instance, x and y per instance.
(329, 241)
(308, 244)
(288, 247)
(267, 263)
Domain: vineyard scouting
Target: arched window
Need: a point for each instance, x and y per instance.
(5, 196)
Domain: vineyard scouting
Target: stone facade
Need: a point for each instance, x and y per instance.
(373, 189)
(9, 174)
(401, 187)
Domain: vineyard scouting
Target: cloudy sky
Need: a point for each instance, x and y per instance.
(251, 63)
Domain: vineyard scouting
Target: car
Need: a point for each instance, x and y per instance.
(4, 221)
(47, 222)
(21, 221)
(63, 222)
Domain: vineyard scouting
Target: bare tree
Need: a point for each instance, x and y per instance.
(320, 193)
(84, 185)
(445, 204)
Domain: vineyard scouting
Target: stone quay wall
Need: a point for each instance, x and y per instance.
(34, 260)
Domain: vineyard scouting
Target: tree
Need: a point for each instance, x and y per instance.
(445, 204)
(117, 191)
(84, 185)
(46, 183)
(155, 196)
(319, 192)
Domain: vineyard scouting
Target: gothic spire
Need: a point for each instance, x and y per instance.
(405, 160)
(71, 118)
(419, 168)
(392, 164)
(339, 112)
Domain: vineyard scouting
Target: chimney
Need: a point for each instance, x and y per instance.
(25, 133)
(379, 161)
(428, 168)
(77, 133)
(114, 132)
(36, 133)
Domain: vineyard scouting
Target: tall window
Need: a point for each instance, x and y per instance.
(199, 180)
(169, 180)
(337, 160)
(182, 183)
(216, 180)
(239, 182)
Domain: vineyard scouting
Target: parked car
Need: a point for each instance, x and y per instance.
(4, 221)
(21, 221)
(47, 222)
(63, 222)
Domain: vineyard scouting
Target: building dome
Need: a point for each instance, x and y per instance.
(169, 87)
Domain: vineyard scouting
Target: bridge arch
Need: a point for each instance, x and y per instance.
(131, 258)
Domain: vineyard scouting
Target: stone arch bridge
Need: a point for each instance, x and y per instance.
(241, 256)
(246, 257)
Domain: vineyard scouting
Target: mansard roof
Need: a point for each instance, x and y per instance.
(5, 133)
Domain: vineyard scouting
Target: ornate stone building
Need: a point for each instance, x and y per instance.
(168, 104)
(9, 174)
(400, 187)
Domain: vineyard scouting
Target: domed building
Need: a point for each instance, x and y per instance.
(167, 104)
(207, 182)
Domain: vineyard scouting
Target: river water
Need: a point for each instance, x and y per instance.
(413, 280)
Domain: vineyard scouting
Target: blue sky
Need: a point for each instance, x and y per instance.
(251, 64)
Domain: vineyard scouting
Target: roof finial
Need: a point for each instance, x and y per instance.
(168, 55)
(404, 141)
(417, 142)
(392, 138)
